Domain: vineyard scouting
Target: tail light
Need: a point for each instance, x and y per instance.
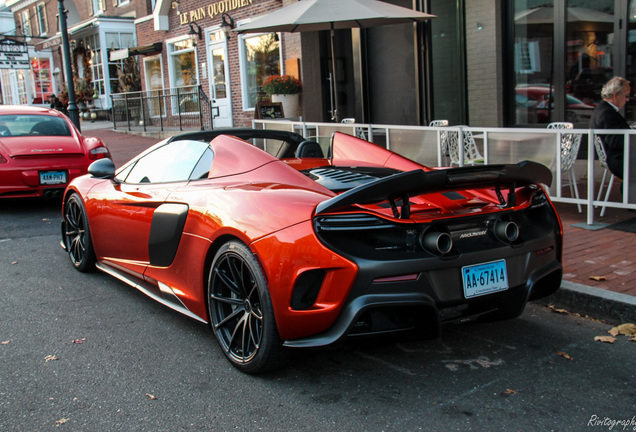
(98, 153)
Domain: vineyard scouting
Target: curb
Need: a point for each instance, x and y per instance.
(613, 307)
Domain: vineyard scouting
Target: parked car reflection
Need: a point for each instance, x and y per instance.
(534, 103)
(588, 84)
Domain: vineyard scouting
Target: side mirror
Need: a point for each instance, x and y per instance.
(102, 168)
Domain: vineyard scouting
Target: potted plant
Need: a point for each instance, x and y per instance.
(284, 89)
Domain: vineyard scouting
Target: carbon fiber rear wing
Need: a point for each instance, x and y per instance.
(404, 185)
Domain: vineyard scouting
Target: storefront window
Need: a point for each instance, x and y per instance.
(115, 41)
(25, 20)
(447, 71)
(183, 64)
(41, 11)
(41, 80)
(533, 43)
(260, 58)
(154, 85)
(94, 51)
(590, 33)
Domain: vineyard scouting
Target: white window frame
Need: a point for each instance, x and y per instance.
(170, 44)
(243, 68)
(149, 91)
(40, 11)
(25, 21)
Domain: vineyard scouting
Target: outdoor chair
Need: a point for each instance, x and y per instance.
(471, 152)
(442, 138)
(569, 146)
(357, 131)
(602, 158)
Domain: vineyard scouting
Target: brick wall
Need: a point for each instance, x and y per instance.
(147, 35)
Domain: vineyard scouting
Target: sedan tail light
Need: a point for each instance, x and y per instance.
(98, 153)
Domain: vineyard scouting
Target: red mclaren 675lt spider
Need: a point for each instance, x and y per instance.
(304, 246)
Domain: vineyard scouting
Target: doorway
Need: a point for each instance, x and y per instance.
(219, 80)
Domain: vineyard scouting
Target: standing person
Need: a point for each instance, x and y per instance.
(606, 115)
(57, 104)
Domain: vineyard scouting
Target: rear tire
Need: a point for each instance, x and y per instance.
(76, 235)
(240, 310)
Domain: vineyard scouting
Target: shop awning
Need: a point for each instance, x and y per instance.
(139, 50)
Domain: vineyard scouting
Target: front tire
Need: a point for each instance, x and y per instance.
(240, 310)
(76, 235)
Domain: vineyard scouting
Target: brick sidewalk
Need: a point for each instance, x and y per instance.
(605, 254)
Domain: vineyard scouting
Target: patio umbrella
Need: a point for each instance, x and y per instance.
(316, 15)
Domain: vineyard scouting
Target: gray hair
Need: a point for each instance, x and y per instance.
(613, 86)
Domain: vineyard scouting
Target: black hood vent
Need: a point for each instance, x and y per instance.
(338, 179)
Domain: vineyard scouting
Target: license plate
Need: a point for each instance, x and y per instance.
(486, 278)
(52, 177)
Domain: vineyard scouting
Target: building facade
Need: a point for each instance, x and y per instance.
(485, 63)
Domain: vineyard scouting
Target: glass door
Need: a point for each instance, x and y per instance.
(219, 80)
(589, 51)
(154, 85)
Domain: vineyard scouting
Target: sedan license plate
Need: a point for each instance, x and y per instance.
(52, 177)
(486, 278)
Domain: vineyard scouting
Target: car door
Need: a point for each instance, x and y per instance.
(124, 211)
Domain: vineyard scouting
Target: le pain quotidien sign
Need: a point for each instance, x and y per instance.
(212, 10)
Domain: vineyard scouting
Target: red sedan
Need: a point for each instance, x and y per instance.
(41, 151)
(303, 246)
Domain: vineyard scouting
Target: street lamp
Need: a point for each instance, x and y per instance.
(73, 112)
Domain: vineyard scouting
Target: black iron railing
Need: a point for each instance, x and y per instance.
(179, 107)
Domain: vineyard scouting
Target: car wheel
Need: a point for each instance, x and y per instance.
(240, 310)
(77, 236)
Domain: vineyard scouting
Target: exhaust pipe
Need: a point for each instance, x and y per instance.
(436, 242)
(507, 231)
(50, 194)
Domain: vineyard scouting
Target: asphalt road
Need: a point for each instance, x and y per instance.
(85, 352)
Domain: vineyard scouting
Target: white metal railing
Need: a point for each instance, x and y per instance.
(497, 145)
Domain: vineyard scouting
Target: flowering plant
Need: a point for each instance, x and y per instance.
(285, 84)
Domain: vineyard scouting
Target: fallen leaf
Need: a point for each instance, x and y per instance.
(564, 355)
(509, 391)
(554, 309)
(608, 339)
(49, 358)
(627, 329)
(79, 341)
(61, 421)
(598, 278)
(7, 342)
(152, 397)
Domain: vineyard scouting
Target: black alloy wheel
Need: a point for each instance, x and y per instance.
(240, 310)
(76, 235)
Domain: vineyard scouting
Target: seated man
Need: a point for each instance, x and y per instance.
(606, 115)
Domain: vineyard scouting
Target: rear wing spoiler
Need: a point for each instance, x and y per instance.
(404, 185)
